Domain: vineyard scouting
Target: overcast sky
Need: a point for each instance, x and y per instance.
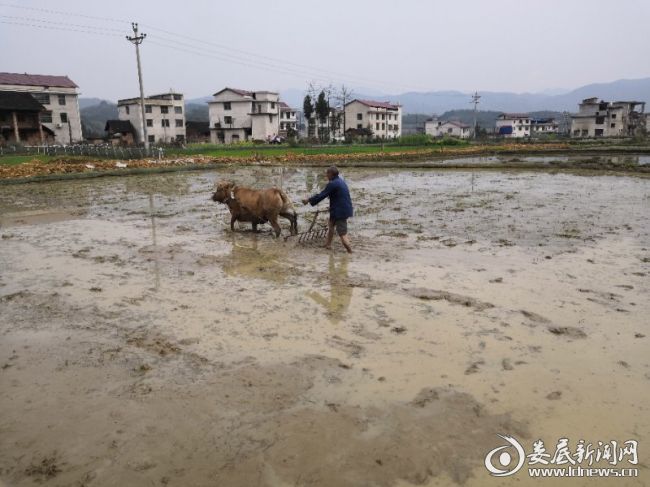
(386, 46)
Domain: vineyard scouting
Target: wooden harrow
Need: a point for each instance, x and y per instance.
(317, 228)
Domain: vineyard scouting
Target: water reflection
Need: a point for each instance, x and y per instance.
(338, 302)
(249, 259)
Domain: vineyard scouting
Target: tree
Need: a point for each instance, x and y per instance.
(322, 109)
(344, 96)
(308, 110)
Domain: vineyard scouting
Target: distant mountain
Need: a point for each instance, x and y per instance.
(89, 102)
(94, 116)
(196, 112)
(442, 101)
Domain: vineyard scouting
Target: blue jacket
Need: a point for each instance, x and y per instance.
(339, 195)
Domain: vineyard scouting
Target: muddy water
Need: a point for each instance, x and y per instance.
(143, 343)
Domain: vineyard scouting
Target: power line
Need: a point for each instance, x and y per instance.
(44, 21)
(256, 61)
(61, 12)
(290, 68)
(48, 27)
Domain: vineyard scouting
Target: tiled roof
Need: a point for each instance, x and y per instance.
(457, 124)
(236, 90)
(36, 80)
(378, 104)
(284, 106)
(19, 101)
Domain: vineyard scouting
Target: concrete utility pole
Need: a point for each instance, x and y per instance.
(475, 100)
(136, 40)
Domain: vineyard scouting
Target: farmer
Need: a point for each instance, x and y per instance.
(340, 207)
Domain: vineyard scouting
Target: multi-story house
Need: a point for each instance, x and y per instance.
(513, 125)
(288, 120)
(384, 119)
(598, 118)
(58, 95)
(164, 117)
(540, 127)
(238, 115)
(442, 128)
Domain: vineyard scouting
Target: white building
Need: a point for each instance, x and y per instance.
(513, 125)
(164, 116)
(598, 118)
(383, 118)
(543, 126)
(288, 120)
(442, 128)
(58, 94)
(238, 115)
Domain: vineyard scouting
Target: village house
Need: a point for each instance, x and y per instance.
(164, 117)
(20, 120)
(513, 125)
(442, 128)
(543, 126)
(330, 128)
(120, 132)
(384, 119)
(598, 118)
(288, 120)
(519, 125)
(59, 99)
(238, 115)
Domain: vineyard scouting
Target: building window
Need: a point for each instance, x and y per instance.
(178, 109)
(226, 105)
(227, 120)
(42, 98)
(150, 122)
(359, 126)
(383, 117)
(152, 138)
(613, 116)
(234, 138)
(179, 122)
(383, 126)
(147, 109)
(613, 125)
(164, 109)
(127, 109)
(61, 99)
(64, 117)
(164, 122)
(377, 126)
(359, 116)
(178, 97)
(272, 105)
(46, 117)
(180, 138)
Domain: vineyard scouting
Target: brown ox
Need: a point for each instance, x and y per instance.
(256, 205)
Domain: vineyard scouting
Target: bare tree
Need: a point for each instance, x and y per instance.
(344, 95)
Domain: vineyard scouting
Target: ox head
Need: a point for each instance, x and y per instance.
(223, 191)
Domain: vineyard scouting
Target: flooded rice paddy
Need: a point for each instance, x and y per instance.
(144, 343)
